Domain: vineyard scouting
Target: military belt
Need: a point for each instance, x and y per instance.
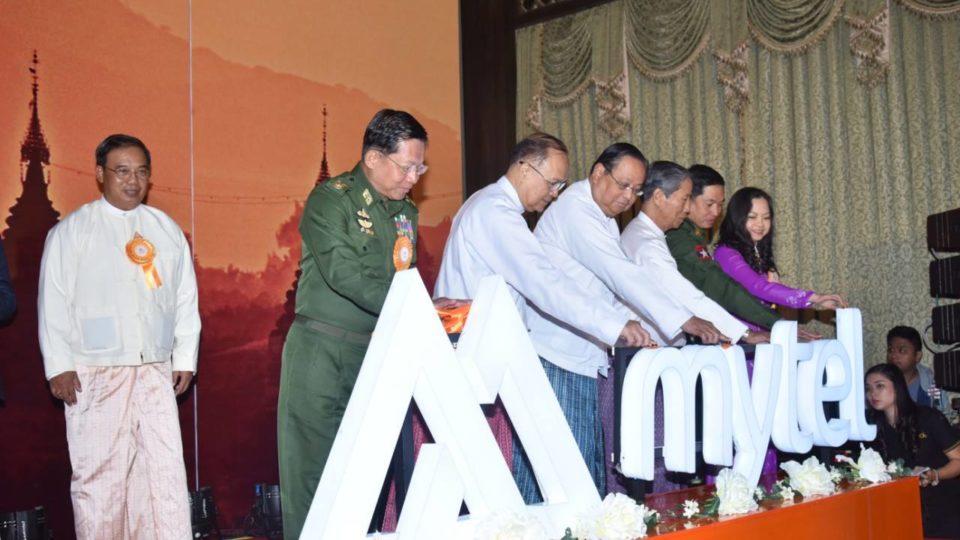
(355, 338)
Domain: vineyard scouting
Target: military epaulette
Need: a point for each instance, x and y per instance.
(337, 186)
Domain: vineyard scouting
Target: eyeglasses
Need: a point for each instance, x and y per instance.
(418, 169)
(555, 185)
(124, 173)
(637, 191)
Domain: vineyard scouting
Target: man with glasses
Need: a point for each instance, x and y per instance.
(580, 236)
(358, 230)
(666, 203)
(489, 236)
(119, 331)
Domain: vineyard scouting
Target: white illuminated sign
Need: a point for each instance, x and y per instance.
(410, 357)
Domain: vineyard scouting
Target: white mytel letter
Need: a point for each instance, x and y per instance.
(853, 407)
(677, 370)
(826, 378)
(787, 435)
(753, 406)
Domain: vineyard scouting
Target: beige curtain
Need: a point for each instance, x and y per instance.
(847, 112)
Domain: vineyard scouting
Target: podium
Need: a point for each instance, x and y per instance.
(889, 511)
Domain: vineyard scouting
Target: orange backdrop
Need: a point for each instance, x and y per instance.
(229, 96)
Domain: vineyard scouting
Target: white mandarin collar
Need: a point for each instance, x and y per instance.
(581, 188)
(649, 224)
(511, 191)
(114, 211)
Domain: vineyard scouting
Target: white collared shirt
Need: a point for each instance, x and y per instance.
(489, 236)
(646, 244)
(94, 305)
(585, 244)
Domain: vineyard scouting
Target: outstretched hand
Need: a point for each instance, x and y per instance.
(633, 335)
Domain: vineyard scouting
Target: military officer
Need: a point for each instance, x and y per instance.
(690, 248)
(358, 229)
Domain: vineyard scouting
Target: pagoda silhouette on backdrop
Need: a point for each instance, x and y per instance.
(279, 333)
(33, 214)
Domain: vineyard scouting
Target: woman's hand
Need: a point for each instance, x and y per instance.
(929, 477)
(827, 301)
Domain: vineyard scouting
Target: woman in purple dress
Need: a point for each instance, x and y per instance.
(745, 252)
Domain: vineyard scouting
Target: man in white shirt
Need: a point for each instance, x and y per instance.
(489, 236)
(666, 204)
(580, 236)
(119, 331)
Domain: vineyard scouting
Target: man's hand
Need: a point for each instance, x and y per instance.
(757, 337)
(633, 335)
(181, 380)
(705, 330)
(448, 303)
(827, 301)
(806, 335)
(65, 386)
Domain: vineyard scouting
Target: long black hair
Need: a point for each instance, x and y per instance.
(906, 422)
(734, 234)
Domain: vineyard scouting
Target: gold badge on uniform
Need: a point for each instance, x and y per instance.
(367, 197)
(363, 219)
(339, 184)
(141, 252)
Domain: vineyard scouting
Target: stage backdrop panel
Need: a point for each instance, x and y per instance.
(245, 108)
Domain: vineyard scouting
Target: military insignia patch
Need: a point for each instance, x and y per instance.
(702, 253)
(403, 248)
(339, 184)
(367, 197)
(363, 219)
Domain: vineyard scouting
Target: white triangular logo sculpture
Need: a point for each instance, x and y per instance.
(410, 356)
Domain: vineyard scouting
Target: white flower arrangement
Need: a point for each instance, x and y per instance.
(869, 467)
(618, 517)
(509, 526)
(734, 493)
(809, 478)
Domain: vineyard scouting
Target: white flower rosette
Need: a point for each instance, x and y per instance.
(870, 466)
(810, 478)
(618, 517)
(690, 508)
(509, 526)
(735, 493)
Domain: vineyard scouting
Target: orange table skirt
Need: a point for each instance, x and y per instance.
(886, 511)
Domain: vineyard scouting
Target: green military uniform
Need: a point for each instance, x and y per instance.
(351, 237)
(688, 245)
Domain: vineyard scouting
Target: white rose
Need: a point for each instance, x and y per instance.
(870, 466)
(509, 526)
(811, 478)
(618, 517)
(735, 493)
